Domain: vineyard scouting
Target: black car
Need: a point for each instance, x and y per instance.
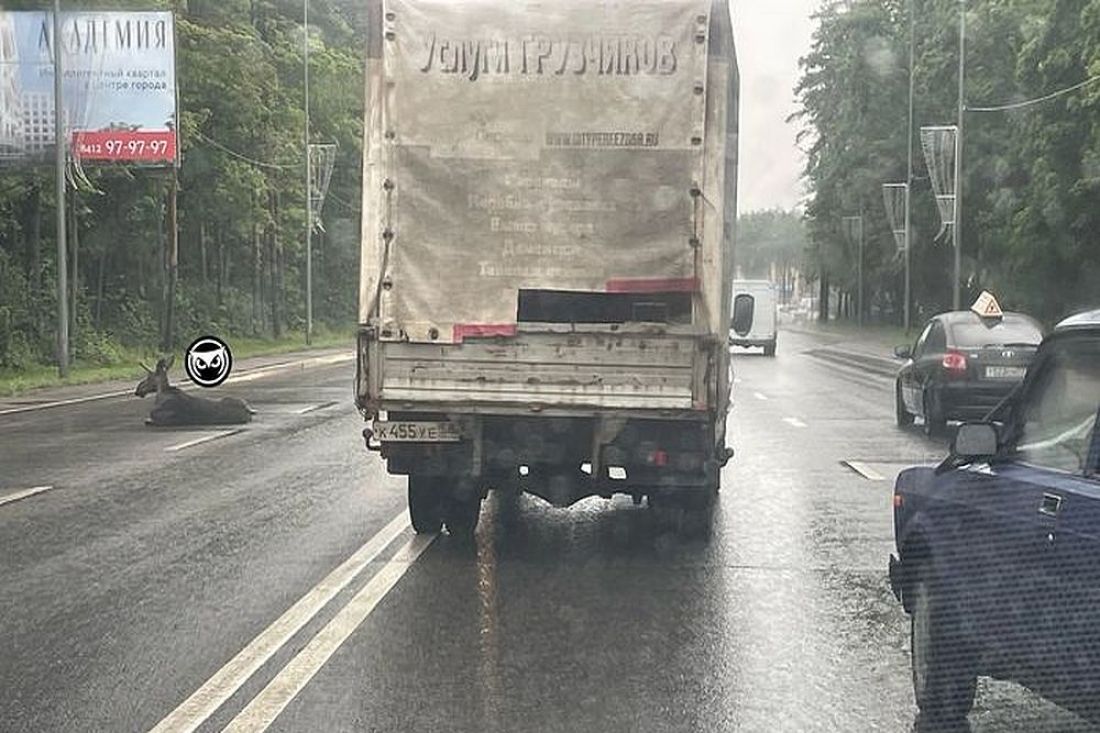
(962, 366)
(998, 549)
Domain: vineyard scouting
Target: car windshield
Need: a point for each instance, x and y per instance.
(1009, 331)
(1063, 407)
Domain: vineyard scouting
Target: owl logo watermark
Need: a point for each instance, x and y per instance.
(208, 361)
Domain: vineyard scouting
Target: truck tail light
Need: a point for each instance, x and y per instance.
(954, 363)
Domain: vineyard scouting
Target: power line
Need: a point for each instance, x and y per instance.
(240, 156)
(1037, 100)
(342, 202)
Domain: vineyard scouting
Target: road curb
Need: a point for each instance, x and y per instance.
(867, 362)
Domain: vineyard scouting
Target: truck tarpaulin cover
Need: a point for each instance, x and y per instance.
(550, 145)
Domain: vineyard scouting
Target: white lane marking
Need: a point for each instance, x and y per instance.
(737, 380)
(864, 470)
(259, 372)
(795, 422)
(203, 439)
(314, 408)
(760, 396)
(266, 706)
(23, 494)
(194, 711)
(63, 403)
(247, 376)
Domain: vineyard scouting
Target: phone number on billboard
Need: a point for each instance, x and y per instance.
(156, 146)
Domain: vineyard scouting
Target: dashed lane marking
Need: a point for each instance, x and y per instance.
(205, 701)
(273, 699)
(760, 396)
(315, 408)
(22, 494)
(203, 439)
(863, 470)
(794, 421)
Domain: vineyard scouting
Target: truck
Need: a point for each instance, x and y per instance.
(549, 201)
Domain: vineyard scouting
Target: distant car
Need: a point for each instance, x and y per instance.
(755, 315)
(998, 549)
(962, 366)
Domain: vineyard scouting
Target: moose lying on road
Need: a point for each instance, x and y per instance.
(176, 407)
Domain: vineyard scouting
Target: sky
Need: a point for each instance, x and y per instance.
(771, 35)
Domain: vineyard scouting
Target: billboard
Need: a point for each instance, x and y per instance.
(118, 86)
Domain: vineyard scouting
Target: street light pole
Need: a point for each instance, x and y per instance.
(62, 249)
(850, 223)
(957, 292)
(309, 185)
(859, 299)
(909, 165)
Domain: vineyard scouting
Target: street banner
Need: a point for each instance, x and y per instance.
(893, 196)
(941, 145)
(118, 87)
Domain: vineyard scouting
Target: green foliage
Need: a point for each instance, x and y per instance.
(768, 240)
(1031, 226)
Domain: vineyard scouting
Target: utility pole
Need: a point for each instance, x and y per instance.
(957, 293)
(853, 229)
(859, 298)
(909, 166)
(59, 146)
(309, 185)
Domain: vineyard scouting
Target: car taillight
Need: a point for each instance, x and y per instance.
(954, 363)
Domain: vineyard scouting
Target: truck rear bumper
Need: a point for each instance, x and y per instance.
(564, 459)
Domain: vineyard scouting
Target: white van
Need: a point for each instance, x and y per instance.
(754, 321)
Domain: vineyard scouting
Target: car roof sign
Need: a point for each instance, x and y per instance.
(986, 306)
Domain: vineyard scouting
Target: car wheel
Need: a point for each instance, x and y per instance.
(425, 504)
(935, 424)
(904, 417)
(944, 662)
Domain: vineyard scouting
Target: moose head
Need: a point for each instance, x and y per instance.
(156, 380)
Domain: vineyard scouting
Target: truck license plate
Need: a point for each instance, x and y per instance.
(1003, 372)
(416, 432)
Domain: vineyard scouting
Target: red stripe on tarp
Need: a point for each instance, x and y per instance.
(464, 330)
(653, 285)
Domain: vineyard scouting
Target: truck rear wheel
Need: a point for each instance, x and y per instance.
(689, 514)
(461, 515)
(425, 504)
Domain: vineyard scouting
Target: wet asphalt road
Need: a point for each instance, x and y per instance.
(135, 583)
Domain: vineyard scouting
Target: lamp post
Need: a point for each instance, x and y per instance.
(309, 185)
(957, 232)
(62, 249)
(856, 223)
(909, 165)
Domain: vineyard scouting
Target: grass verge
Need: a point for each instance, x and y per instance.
(17, 381)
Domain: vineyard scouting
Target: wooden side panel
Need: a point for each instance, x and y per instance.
(595, 370)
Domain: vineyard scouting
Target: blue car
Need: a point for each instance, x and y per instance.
(998, 548)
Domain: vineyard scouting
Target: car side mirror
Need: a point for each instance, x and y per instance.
(903, 352)
(975, 440)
